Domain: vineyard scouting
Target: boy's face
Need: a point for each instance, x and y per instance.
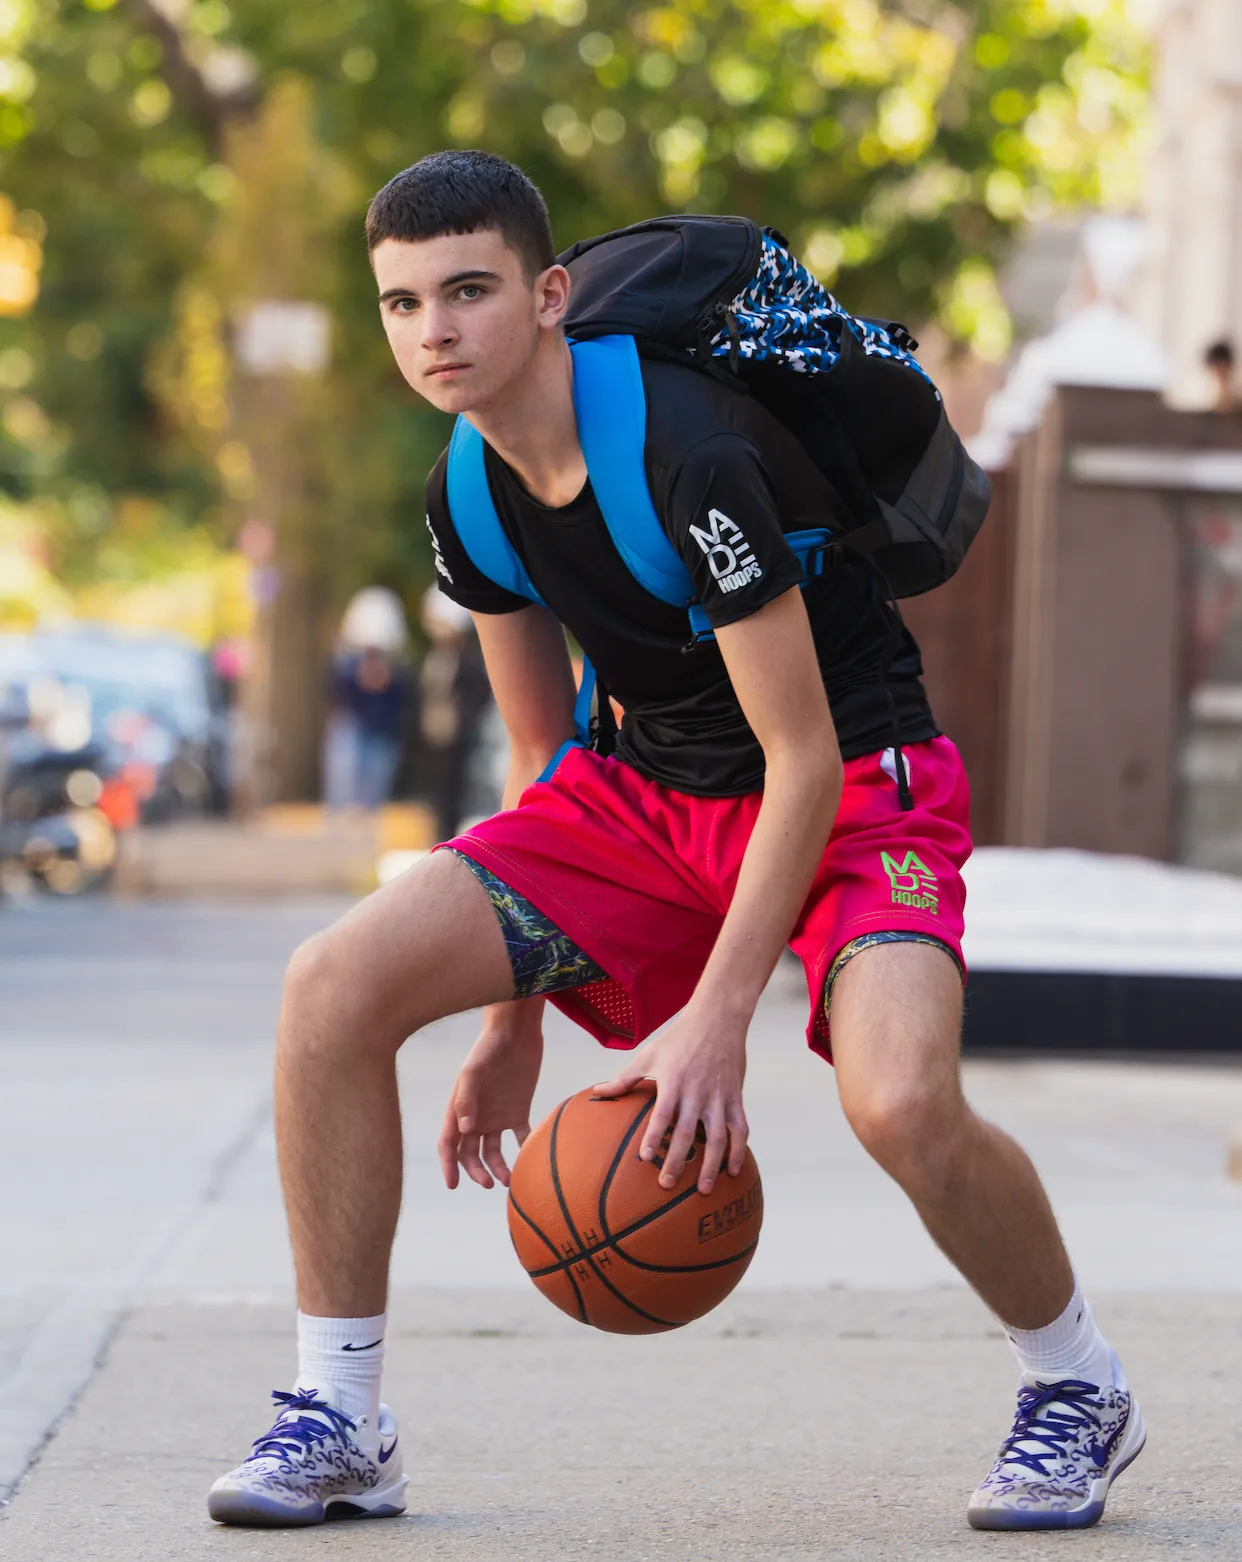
(461, 318)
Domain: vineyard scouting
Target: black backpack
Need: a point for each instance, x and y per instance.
(730, 298)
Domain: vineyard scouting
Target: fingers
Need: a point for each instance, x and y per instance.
(446, 1146)
(679, 1146)
(494, 1159)
(466, 1099)
(726, 1132)
(472, 1164)
(658, 1121)
(739, 1136)
(622, 1082)
(714, 1151)
(456, 1146)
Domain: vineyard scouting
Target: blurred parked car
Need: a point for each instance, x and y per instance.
(102, 732)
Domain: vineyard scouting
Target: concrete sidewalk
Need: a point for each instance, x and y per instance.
(790, 1426)
(842, 1404)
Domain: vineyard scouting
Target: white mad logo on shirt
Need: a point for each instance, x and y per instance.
(729, 555)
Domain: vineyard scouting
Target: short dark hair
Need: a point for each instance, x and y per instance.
(1220, 354)
(464, 192)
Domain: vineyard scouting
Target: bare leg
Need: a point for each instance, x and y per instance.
(896, 1018)
(425, 946)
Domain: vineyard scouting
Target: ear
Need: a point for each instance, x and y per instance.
(552, 296)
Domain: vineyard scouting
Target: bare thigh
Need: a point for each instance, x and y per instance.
(425, 946)
(896, 1023)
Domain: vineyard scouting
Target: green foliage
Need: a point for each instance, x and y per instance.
(898, 144)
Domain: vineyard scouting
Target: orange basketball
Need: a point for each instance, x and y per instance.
(603, 1240)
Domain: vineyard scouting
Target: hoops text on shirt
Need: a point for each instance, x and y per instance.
(729, 555)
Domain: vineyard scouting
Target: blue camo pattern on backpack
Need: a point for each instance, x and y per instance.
(785, 313)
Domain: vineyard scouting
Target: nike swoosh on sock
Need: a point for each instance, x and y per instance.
(371, 1346)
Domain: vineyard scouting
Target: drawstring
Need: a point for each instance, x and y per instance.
(602, 735)
(892, 641)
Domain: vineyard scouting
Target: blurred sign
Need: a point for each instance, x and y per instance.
(276, 337)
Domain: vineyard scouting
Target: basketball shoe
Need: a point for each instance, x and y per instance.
(313, 1459)
(1070, 1442)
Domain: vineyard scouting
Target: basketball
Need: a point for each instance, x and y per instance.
(605, 1242)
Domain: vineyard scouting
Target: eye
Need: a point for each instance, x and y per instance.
(405, 306)
(469, 291)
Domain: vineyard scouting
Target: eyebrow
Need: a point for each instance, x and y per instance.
(458, 277)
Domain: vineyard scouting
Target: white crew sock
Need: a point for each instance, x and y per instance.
(343, 1358)
(1069, 1347)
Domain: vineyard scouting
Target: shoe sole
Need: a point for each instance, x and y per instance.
(250, 1511)
(1083, 1517)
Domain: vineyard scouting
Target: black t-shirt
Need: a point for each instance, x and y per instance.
(727, 481)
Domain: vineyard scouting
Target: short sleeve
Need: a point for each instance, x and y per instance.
(722, 516)
(459, 578)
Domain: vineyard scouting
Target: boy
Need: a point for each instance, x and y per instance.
(751, 801)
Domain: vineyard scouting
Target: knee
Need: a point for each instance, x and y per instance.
(916, 1130)
(311, 973)
(325, 1009)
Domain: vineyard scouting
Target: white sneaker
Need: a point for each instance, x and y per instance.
(315, 1458)
(1070, 1442)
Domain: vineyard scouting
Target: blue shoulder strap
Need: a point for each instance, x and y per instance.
(474, 517)
(611, 408)
(611, 405)
(478, 527)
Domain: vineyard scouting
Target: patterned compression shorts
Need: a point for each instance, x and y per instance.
(545, 960)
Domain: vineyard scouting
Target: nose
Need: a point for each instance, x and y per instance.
(438, 328)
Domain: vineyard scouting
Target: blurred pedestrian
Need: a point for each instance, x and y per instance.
(370, 696)
(1220, 362)
(454, 694)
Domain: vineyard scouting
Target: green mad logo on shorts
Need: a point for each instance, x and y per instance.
(913, 883)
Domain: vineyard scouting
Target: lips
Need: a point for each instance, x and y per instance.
(443, 370)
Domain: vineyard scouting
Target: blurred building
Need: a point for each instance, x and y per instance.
(1191, 292)
(1088, 657)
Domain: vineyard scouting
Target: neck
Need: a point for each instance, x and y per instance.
(532, 426)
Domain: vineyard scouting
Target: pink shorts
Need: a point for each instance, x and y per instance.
(640, 876)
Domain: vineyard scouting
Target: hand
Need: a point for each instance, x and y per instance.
(698, 1065)
(493, 1093)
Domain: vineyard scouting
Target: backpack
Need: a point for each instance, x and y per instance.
(721, 295)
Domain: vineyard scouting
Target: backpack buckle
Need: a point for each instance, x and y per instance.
(701, 630)
(811, 549)
(901, 338)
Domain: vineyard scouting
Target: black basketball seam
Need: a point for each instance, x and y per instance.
(616, 1164)
(687, 1269)
(583, 1255)
(611, 1241)
(608, 1238)
(542, 1235)
(551, 1246)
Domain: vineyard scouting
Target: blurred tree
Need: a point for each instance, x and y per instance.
(899, 144)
